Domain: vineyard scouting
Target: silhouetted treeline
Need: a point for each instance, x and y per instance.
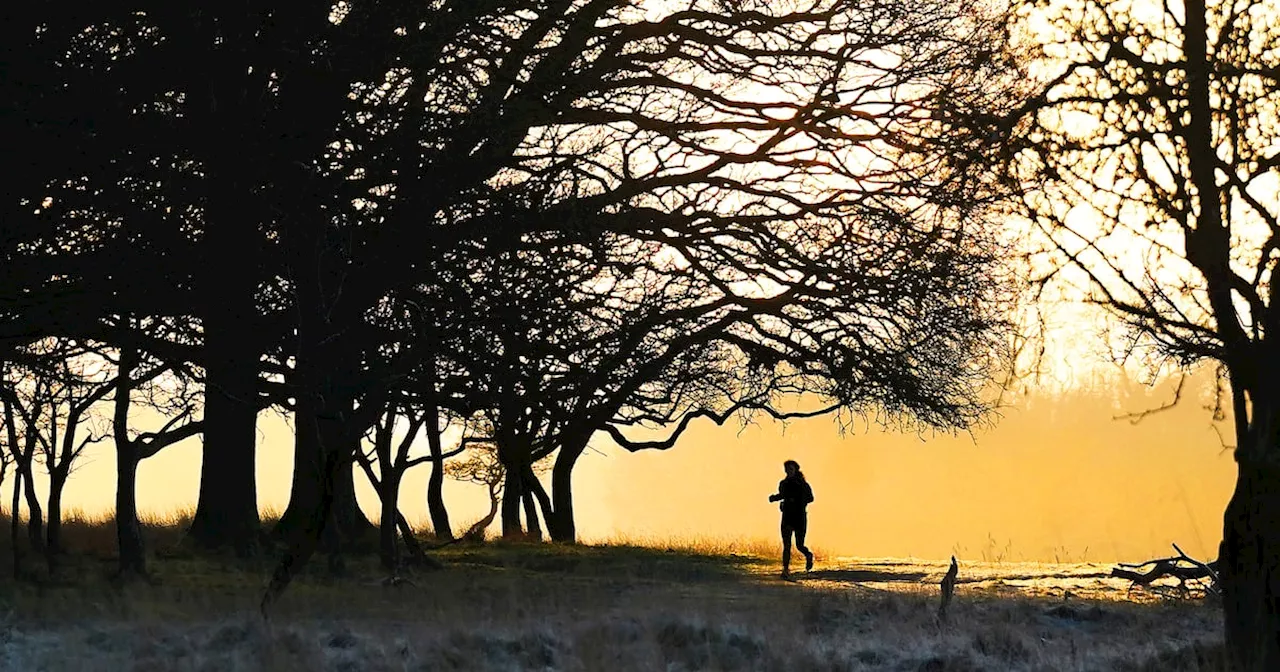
(518, 223)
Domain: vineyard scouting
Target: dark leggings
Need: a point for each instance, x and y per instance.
(796, 525)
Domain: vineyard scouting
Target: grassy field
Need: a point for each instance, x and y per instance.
(663, 605)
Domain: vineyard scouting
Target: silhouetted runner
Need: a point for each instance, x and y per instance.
(795, 494)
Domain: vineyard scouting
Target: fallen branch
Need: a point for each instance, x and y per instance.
(1211, 568)
(1182, 567)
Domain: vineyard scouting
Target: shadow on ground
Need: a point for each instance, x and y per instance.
(614, 561)
(863, 576)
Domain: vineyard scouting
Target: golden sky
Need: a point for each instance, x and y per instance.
(1056, 478)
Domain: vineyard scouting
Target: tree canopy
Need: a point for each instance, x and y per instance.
(549, 218)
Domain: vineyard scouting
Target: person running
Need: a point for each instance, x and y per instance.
(795, 494)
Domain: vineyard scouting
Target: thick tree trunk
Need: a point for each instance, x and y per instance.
(304, 539)
(227, 508)
(312, 524)
(562, 526)
(308, 475)
(357, 531)
(128, 530)
(304, 493)
(511, 496)
(334, 539)
(1249, 565)
(387, 547)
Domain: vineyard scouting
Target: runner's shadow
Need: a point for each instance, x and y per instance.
(864, 576)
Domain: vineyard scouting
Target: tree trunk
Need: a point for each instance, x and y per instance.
(477, 528)
(23, 450)
(325, 377)
(128, 530)
(1249, 565)
(390, 494)
(227, 508)
(304, 538)
(53, 531)
(304, 493)
(440, 525)
(23, 467)
(562, 526)
(511, 497)
(333, 539)
(15, 524)
(540, 493)
(410, 541)
(355, 528)
(35, 513)
(533, 529)
(330, 432)
(307, 486)
(435, 484)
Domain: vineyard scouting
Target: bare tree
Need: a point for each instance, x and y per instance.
(68, 386)
(24, 411)
(20, 422)
(1140, 142)
(173, 395)
(481, 466)
(392, 458)
(15, 508)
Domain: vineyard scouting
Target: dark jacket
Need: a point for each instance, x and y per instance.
(795, 494)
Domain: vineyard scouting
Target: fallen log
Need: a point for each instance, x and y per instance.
(1159, 570)
(1182, 567)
